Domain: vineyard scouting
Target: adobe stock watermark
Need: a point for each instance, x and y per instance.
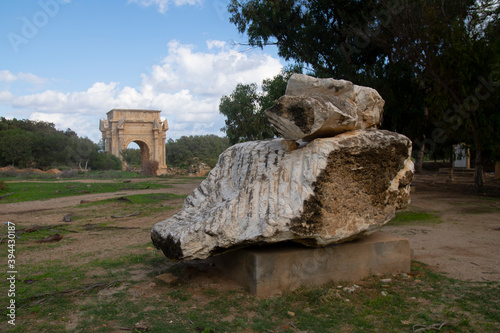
(220, 7)
(455, 116)
(31, 25)
(11, 272)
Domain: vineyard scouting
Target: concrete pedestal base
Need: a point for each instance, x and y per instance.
(268, 270)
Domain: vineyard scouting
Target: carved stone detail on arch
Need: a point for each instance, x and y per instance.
(144, 127)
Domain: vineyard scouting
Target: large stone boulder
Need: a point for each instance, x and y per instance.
(313, 108)
(329, 191)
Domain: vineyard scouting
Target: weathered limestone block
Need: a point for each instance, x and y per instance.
(329, 191)
(313, 108)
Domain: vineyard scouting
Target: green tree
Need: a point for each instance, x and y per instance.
(16, 148)
(244, 121)
(452, 53)
(27, 125)
(333, 39)
(100, 160)
(27, 143)
(205, 148)
(275, 87)
(423, 56)
(493, 34)
(244, 108)
(48, 149)
(132, 156)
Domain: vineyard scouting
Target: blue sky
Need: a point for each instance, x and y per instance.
(71, 61)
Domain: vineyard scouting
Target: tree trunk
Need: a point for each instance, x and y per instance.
(452, 159)
(419, 159)
(478, 173)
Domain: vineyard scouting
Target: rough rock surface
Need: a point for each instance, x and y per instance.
(313, 108)
(330, 191)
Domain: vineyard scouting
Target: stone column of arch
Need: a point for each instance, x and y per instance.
(144, 127)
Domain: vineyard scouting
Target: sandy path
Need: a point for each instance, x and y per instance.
(466, 245)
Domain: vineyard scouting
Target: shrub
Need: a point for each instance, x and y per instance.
(105, 161)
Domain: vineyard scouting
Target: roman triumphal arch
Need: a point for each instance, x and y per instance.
(143, 127)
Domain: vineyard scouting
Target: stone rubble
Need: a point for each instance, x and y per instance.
(313, 108)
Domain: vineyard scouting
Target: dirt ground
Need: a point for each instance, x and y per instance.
(465, 245)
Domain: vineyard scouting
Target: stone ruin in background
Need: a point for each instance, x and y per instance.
(145, 128)
(333, 178)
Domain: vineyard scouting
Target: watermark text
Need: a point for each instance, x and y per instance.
(32, 25)
(11, 272)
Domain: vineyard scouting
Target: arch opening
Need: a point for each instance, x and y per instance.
(136, 156)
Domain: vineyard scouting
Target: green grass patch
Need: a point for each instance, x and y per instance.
(111, 174)
(194, 178)
(71, 174)
(407, 217)
(139, 199)
(42, 234)
(480, 210)
(29, 191)
(37, 237)
(181, 180)
(146, 204)
(491, 199)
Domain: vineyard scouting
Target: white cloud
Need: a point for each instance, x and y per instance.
(211, 44)
(33, 79)
(90, 101)
(7, 76)
(187, 86)
(6, 96)
(208, 74)
(86, 124)
(164, 4)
